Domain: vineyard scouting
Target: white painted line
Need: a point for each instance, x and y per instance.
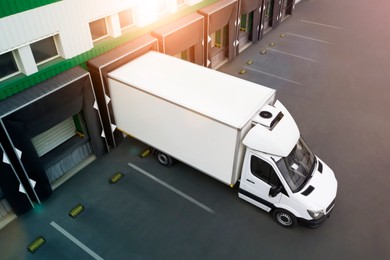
(166, 185)
(309, 38)
(322, 24)
(75, 240)
(272, 75)
(293, 55)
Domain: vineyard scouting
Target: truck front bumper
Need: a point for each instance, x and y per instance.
(313, 223)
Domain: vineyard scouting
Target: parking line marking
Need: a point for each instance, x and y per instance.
(293, 55)
(166, 185)
(75, 240)
(322, 24)
(309, 38)
(272, 75)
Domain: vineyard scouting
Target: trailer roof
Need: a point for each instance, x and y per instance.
(225, 98)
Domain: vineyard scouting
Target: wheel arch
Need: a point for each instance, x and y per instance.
(288, 208)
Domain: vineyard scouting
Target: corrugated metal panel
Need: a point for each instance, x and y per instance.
(72, 25)
(50, 139)
(27, 27)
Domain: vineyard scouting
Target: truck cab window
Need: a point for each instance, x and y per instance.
(298, 166)
(264, 171)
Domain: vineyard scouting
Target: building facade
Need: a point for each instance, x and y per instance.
(55, 111)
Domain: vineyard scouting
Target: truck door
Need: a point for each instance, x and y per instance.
(255, 186)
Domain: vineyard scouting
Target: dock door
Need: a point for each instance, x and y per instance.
(250, 13)
(269, 16)
(221, 32)
(286, 9)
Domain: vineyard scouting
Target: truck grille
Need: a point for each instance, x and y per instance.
(330, 206)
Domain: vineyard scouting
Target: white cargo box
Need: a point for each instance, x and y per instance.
(195, 114)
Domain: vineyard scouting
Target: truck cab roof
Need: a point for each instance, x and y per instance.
(279, 139)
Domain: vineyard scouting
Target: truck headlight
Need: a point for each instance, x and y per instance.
(316, 214)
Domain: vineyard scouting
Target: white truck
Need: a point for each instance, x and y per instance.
(229, 128)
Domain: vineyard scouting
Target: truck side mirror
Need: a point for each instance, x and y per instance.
(275, 190)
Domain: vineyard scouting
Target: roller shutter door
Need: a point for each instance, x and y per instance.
(50, 139)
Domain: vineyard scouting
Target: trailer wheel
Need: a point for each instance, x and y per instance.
(164, 159)
(284, 218)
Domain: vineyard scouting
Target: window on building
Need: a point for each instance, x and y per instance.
(44, 50)
(126, 18)
(8, 66)
(98, 29)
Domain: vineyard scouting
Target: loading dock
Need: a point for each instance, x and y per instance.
(48, 131)
(221, 25)
(183, 38)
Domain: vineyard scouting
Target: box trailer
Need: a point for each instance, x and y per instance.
(226, 127)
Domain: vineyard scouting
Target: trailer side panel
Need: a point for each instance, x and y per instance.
(197, 140)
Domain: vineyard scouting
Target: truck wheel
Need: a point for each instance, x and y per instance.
(284, 218)
(164, 159)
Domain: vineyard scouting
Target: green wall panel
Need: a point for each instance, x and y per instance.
(10, 7)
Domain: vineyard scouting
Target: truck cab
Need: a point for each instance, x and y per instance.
(281, 175)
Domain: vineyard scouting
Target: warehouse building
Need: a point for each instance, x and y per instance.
(55, 112)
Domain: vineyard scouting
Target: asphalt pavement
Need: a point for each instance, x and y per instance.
(329, 64)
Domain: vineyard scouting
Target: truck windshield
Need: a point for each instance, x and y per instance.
(297, 167)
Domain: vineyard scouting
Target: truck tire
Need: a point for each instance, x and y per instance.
(284, 218)
(164, 159)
